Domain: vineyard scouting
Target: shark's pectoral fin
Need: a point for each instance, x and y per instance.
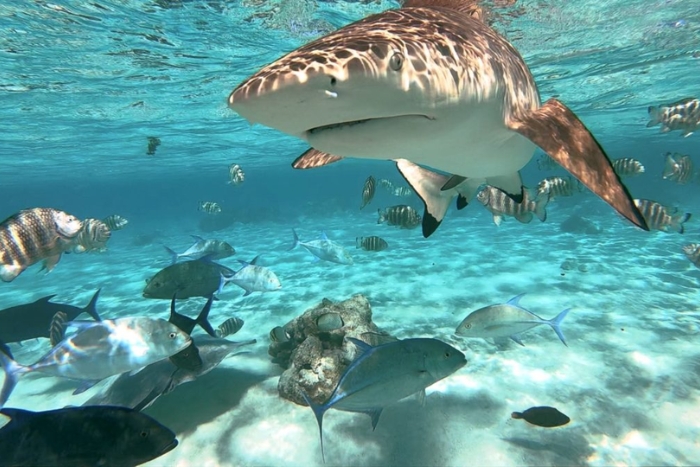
(314, 158)
(512, 185)
(452, 182)
(462, 202)
(559, 132)
(427, 185)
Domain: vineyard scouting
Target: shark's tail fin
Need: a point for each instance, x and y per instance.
(91, 308)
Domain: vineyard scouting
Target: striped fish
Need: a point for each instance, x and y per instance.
(92, 237)
(388, 185)
(679, 168)
(229, 327)
(683, 115)
(692, 252)
(368, 191)
(402, 191)
(235, 174)
(555, 187)
(627, 167)
(660, 217)
(500, 205)
(57, 330)
(373, 243)
(400, 215)
(210, 207)
(33, 235)
(115, 222)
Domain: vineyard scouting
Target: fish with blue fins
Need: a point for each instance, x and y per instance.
(683, 115)
(678, 168)
(252, 278)
(660, 217)
(401, 215)
(33, 235)
(324, 249)
(213, 249)
(499, 204)
(506, 320)
(195, 278)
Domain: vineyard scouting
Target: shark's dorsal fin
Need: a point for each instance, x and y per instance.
(314, 158)
(468, 7)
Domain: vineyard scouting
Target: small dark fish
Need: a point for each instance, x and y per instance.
(82, 436)
(229, 327)
(210, 207)
(153, 144)
(368, 191)
(659, 217)
(279, 334)
(692, 252)
(92, 237)
(400, 215)
(683, 115)
(371, 243)
(58, 328)
(678, 168)
(115, 222)
(627, 167)
(544, 416)
(235, 174)
(196, 278)
(33, 235)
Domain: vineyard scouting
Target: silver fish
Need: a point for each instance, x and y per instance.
(93, 236)
(506, 320)
(115, 222)
(627, 167)
(384, 374)
(229, 327)
(324, 249)
(212, 249)
(372, 243)
(368, 191)
(554, 187)
(660, 217)
(401, 215)
(33, 235)
(235, 174)
(102, 349)
(252, 278)
(210, 207)
(692, 252)
(683, 115)
(678, 168)
(500, 204)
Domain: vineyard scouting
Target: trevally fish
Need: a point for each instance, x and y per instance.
(251, 278)
(627, 167)
(32, 320)
(386, 373)
(368, 190)
(82, 436)
(101, 349)
(196, 278)
(324, 249)
(499, 204)
(213, 249)
(506, 320)
(427, 84)
(140, 390)
(660, 217)
(33, 235)
(683, 115)
(678, 168)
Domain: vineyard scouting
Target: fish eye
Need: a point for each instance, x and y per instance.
(172, 335)
(447, 354)
(396, 61)
(144, 434)
(468, 325)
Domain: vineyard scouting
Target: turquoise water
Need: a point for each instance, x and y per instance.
(84, 84)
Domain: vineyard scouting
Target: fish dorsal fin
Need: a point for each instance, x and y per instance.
(254, 261)
(324, 236)
(197, 238)
(361, 345)
(468, 7)
(45, 299)
(314, 158)
(515, 301)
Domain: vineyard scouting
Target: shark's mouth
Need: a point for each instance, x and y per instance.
(339, 125)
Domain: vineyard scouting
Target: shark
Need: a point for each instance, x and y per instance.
(432, 87)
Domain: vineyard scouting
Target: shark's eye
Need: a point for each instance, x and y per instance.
(396, 61)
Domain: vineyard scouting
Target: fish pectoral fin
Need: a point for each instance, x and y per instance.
(511, 185)
(428, 185)
(516, 339)
(374, 414)
(314, 158)
(558, 131)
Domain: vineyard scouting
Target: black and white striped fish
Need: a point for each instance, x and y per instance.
(683, 115)
(210, 207)
(500, 204)
(692, 252)
(678, 168)
(368, 191)
(372, 243)
(57, 329)
(402, 191)
(115, 222)
(555, 187)
(235, 174)
(400, 215)
(93, 236)
(229, 327)
(659, 217)
(627, 167)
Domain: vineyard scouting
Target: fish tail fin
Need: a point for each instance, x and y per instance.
(380, 217)
(173, 255)
(653, 116)
(556, 325)
(541, 206)
(319, 410)
(13, 371)
(91, 308)
(203, 318)
(222, 282)
(428, 185)
(295, 242)
(678, 220)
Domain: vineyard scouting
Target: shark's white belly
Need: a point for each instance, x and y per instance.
(469, 140)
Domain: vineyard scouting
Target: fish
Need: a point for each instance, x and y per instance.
(692, 252)
(324, 248)
(372, 243)
(500, 204)
(93, 236)
(229, 327)
(251, 278)
(189, 358)
(235, 174)
(662, 218)
(678, 168)
(213, 249)
(402, 191)
(153, 143)
(115, 222)
(57, 330)
(32, 320)
(401, 215)
(554, 187)
(195, 278)
(544, 416)
(139, 391)
(279, 335)
(101, 349)
(368, 191)
(383, 374)
(33, 235)
(544, 162)
(507, 320)
(388, 185)
(210, 207)
(82, 436)
(627, 167)
(428, 84)
(683, 115)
